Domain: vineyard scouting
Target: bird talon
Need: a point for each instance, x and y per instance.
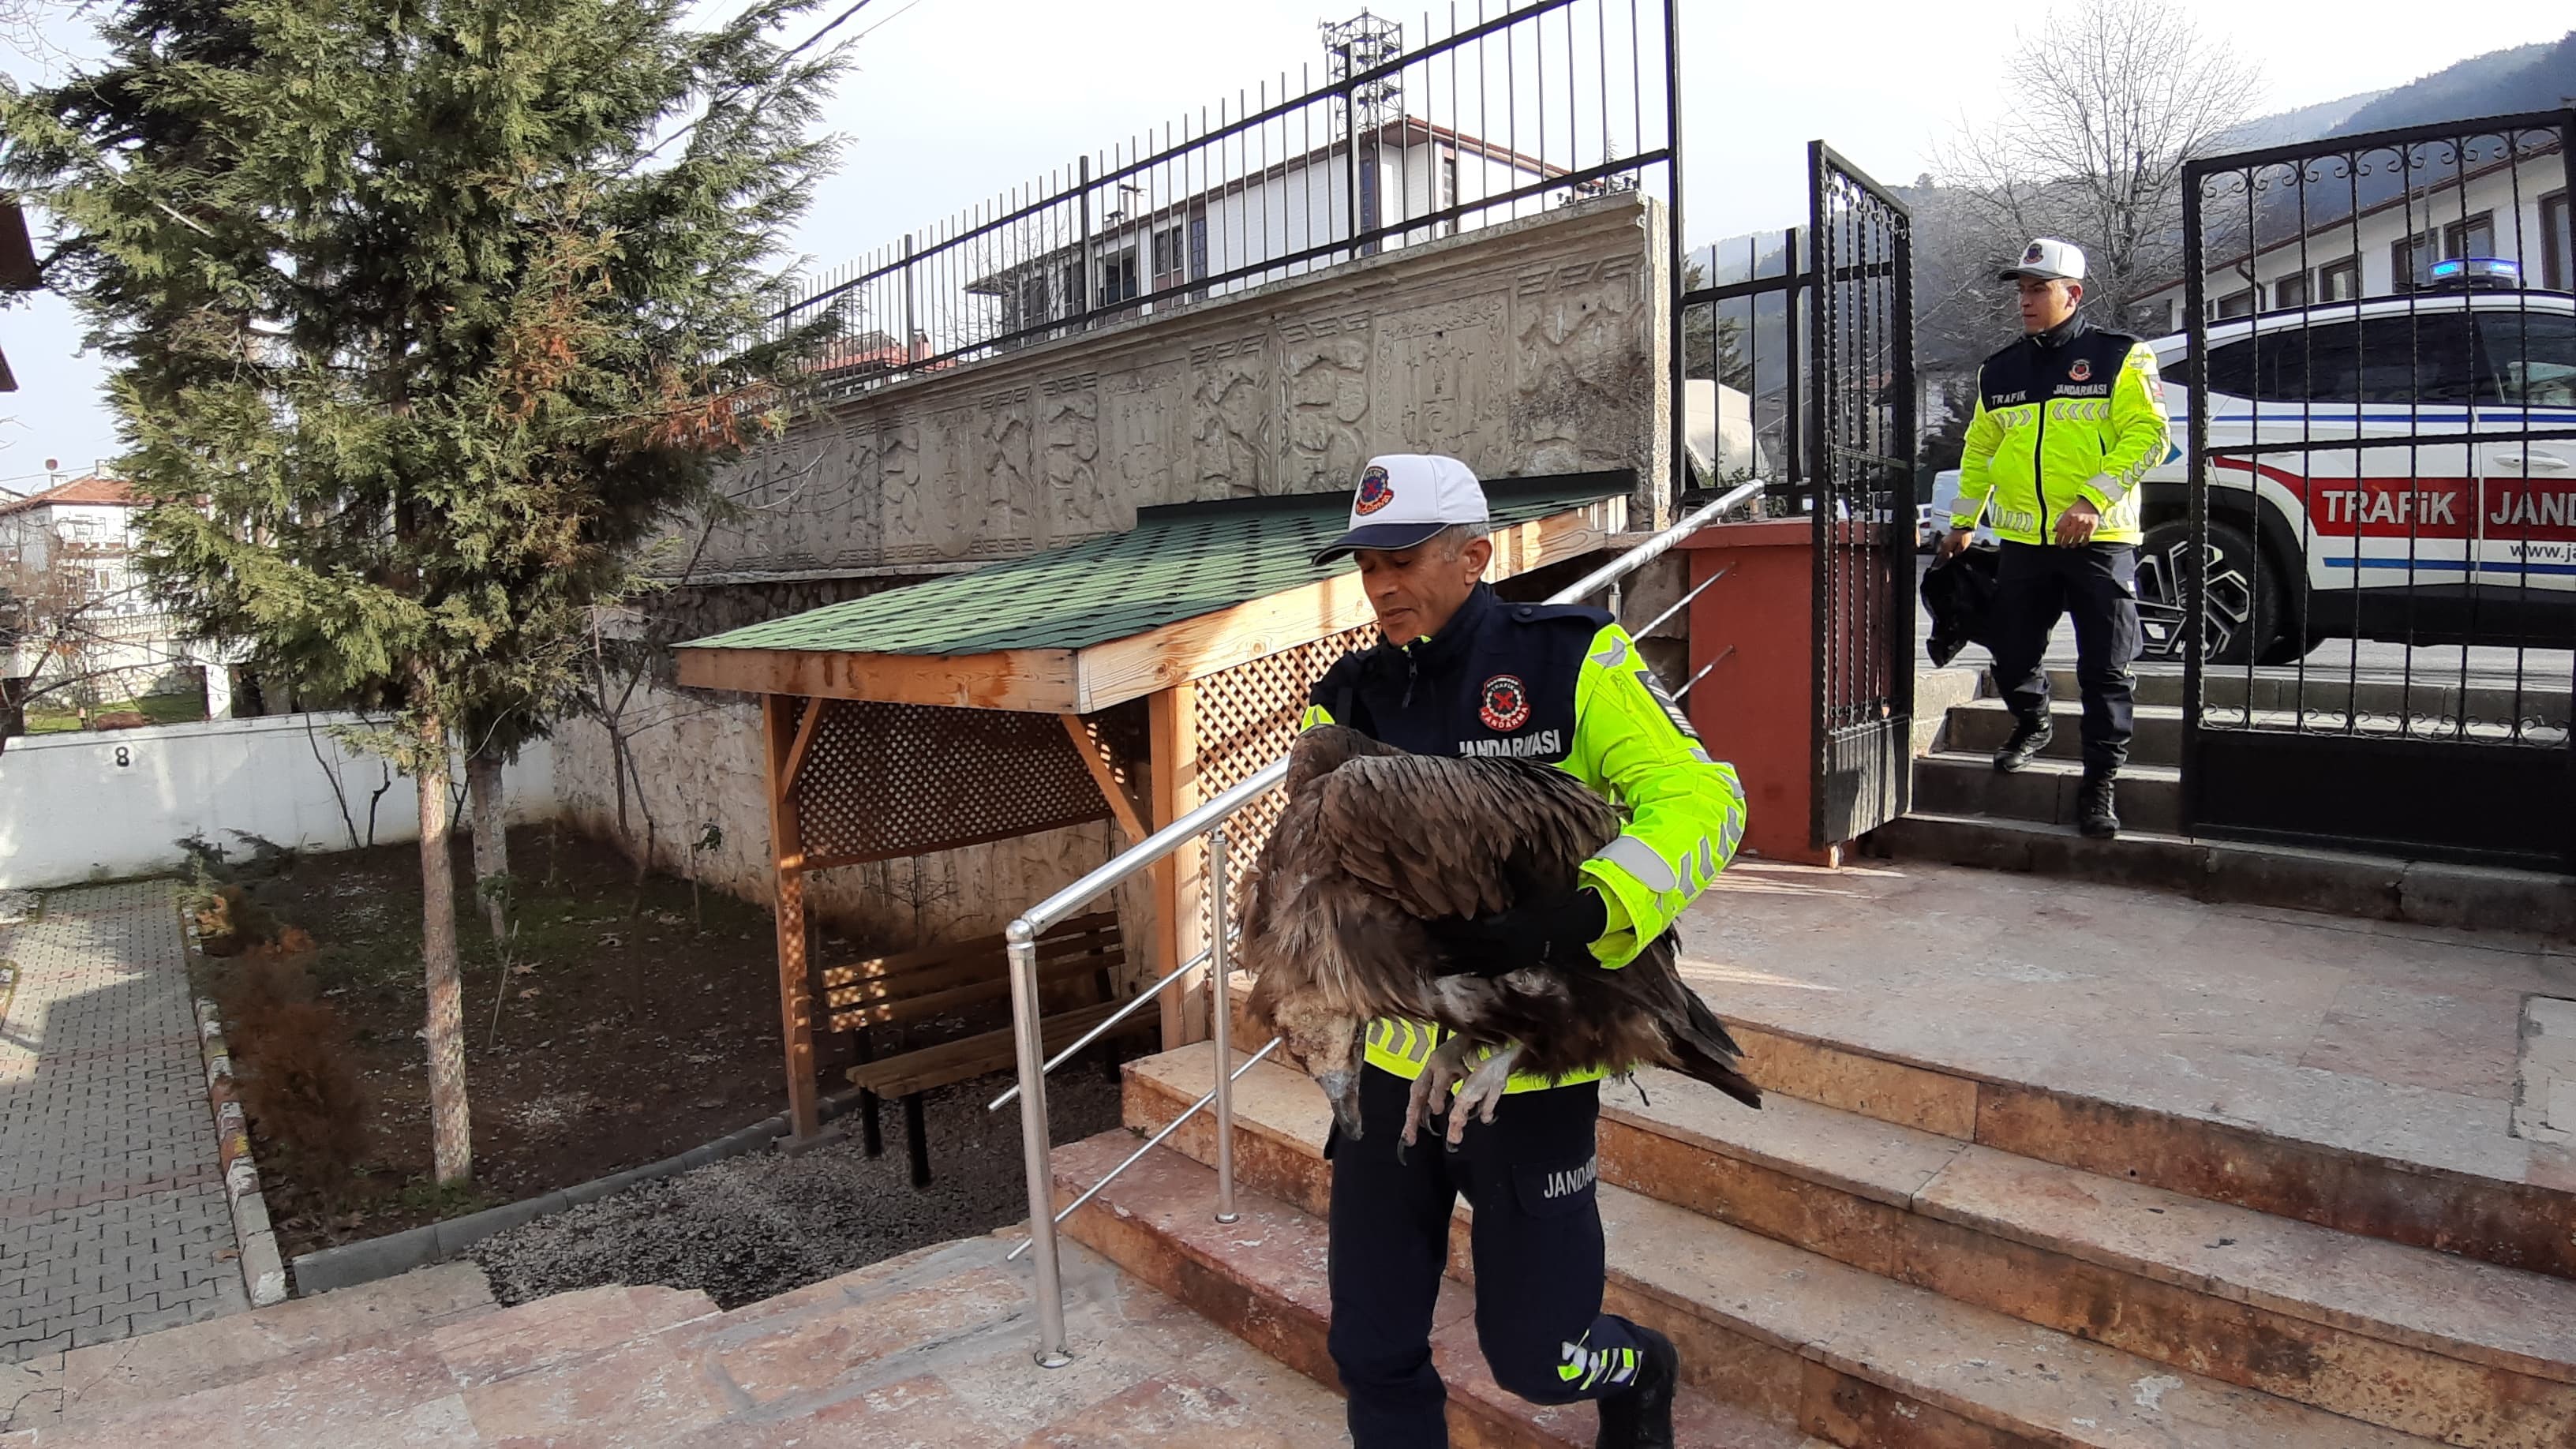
(1445, 1067)
(1482, 1093)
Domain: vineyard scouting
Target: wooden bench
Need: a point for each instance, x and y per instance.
(891, 995)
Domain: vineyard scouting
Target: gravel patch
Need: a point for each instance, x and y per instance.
(756, 1226)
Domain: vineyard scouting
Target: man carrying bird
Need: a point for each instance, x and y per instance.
(1462, 672)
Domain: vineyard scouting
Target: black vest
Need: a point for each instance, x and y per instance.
(2046, 367)
(1498, 679)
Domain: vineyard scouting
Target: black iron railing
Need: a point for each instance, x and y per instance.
(1487, 117)
(2378, 546)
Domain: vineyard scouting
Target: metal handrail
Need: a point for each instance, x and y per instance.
(1208, 819)
(1135, 1002)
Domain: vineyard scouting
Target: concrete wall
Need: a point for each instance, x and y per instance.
(1529, 347)
(112, 803)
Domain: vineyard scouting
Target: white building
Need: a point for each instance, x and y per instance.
(1300, 207)
(2516, 211)
(72, 546)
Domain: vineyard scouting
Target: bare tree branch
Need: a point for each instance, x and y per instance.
(2111, 101)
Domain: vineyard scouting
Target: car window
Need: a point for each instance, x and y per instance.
(2231, 369)
(2427, 357)
(2288, 365)
(2533, 355)
(2423, 357)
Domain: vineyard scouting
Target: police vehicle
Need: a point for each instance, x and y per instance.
(2438, 532)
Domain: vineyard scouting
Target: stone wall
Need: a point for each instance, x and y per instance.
(1530, 347)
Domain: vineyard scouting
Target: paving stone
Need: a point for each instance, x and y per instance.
(111, 1199)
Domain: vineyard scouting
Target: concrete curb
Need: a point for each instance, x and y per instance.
(364, 1262)
(263, 1272)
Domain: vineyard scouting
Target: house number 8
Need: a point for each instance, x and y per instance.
(122, 758)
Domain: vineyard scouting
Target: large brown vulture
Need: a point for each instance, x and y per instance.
(1375, 842)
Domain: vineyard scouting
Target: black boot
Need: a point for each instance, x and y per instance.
(2096, 814)
(2029, 737)
(1641, 1416)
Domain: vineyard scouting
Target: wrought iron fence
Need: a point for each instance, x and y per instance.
(1741, 318)
(2379, 549)
(1860, 451)
(1493, 113)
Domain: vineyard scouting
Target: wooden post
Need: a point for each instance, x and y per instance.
(795, 980)
(1178, 929)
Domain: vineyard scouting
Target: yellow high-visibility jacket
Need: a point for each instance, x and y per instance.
(1565, 685)
(2079, 413)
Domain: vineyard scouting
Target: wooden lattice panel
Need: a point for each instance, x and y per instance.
(1247, 716)
(886, 781)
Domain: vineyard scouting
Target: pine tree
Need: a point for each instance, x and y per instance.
(428, 316)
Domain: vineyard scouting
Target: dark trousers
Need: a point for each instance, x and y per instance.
(1538, 1255)
(2098, 584)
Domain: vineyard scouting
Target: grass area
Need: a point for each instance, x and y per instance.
(156, 709)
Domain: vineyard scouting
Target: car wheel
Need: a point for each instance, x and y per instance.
(2242, 619)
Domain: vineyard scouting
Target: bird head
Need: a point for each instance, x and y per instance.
(1327, 1044)
(1321, 750)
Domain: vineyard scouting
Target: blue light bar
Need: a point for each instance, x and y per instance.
(2491, 269)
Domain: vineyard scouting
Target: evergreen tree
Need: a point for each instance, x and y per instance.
(428, 316)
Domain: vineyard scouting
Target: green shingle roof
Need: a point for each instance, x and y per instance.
(1178, 562)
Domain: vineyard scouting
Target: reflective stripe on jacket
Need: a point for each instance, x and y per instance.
(2078, 413)
(1614, 727)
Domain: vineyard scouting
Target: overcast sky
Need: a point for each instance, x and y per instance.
(952, 101)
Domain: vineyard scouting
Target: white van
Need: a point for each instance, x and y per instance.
(2429, 533)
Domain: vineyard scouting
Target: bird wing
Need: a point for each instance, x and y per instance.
(1458, 837)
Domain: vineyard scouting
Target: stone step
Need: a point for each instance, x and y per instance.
(1262, 1277)
(2329, 686)
(2364, 1158)
(1807, 1343)
(404, 1386)
(2435, 1345)
(2047, 791)
(2367, 887)
(104, 1381)
(1980, 727)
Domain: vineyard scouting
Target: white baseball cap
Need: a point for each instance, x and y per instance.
(1404, 498)
(2049, 260)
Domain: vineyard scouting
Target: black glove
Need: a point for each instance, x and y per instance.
(1555, 930)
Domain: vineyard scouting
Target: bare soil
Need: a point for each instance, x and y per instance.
(635, 1023)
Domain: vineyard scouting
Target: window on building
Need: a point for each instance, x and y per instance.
(1170, 256)
(1198, 245)
(2290, 291)
(2557, 245)
(1118, 279)
(1070, 295)
(2234, 304)
(2410, 260)
(1033, 301)
(2339, 281)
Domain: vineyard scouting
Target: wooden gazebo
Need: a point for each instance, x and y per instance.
(1126, 677)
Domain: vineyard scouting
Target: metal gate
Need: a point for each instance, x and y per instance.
(1811, 335)
(2381, 548)
(1860, 455)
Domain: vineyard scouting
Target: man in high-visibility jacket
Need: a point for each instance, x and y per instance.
(2069, 419)
(1462, 671)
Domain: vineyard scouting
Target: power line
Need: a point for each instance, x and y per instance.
(834, 24)
(882, 24)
